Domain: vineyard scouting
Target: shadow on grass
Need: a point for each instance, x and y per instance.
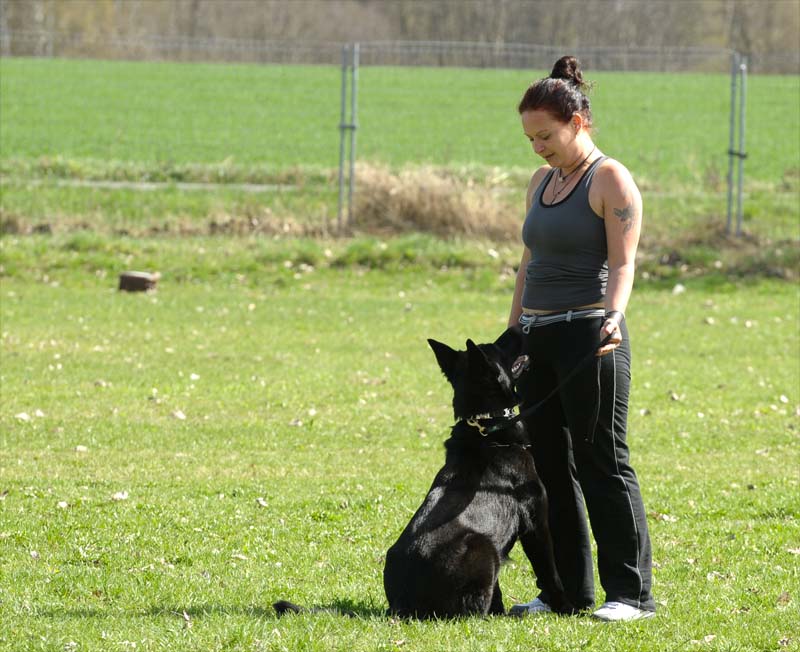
(346, 607)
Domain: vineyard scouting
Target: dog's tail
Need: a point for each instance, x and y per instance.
(283, 607)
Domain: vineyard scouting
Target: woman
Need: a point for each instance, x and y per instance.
(581, 231)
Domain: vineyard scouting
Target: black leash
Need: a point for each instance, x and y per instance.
(486, 430)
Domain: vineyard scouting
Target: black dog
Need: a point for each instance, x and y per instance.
(447, 560)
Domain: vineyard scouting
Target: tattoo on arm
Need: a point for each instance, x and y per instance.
(627, 216)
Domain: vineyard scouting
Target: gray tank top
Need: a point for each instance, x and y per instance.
(569, 256)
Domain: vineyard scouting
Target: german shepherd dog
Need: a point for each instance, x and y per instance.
(486, 496)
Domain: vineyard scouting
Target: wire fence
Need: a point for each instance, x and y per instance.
(31, 43)
(535, 57)
(46, 43)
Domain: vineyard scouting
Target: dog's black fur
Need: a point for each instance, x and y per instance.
(486, 496)
(447, 560)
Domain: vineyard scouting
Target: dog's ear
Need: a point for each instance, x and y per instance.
(446, 357)
(475, 357)
(510, 343)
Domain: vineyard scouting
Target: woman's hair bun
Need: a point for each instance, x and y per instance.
(562, 94)
(568, 68)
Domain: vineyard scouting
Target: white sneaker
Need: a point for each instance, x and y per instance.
(536, 606)
(621, 612)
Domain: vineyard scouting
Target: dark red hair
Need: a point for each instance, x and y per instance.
(562, 94)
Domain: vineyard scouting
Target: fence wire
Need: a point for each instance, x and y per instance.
(26, 43)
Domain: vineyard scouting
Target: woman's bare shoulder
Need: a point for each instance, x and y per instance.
(536, 179)
(611, 173)
(613, 186)
(538, 176)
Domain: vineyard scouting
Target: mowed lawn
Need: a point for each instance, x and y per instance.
(671, 129)
(66, 125)
(172, 463)
(265, 424)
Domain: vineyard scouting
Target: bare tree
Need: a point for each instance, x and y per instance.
(751, 26)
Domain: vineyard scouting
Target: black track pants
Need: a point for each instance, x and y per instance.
(581, 454)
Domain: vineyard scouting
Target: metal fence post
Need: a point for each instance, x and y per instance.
(342, 129)
(349, 65)
(353, 126)
(742, 152)
(732, 137)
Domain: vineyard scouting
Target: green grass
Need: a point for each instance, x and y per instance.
(168, 112)
(272, 415)
(163, 209)
(73, 120)
(671, 130)
(667, 127)
(314, 421)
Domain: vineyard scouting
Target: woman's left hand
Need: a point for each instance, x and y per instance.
(610, 327)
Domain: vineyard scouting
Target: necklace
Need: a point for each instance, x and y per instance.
(564, 178)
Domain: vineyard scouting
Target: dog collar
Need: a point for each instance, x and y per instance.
(506, 413)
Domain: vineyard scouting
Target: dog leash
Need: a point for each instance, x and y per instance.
(487, 430)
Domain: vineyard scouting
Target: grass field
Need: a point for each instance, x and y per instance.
(668, 127)
(261, 431)
(264, 425)
(64, 121)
